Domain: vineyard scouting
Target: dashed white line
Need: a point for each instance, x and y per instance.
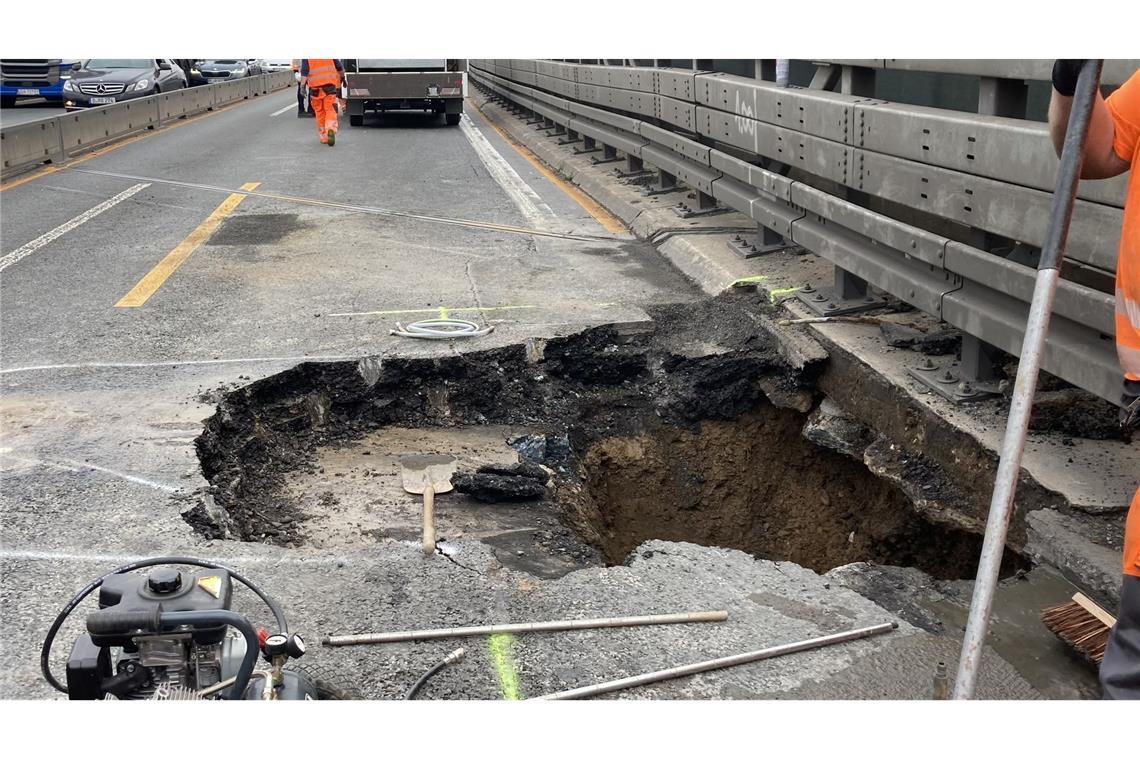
(29, 248)
(283, 110)
(521, 194)
(174, 363)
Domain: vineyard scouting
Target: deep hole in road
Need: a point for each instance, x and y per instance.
(688, 429)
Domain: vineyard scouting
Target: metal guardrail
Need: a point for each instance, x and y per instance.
(56, 138)
(907, 198)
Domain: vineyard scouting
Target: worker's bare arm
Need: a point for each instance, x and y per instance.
(1100, 160)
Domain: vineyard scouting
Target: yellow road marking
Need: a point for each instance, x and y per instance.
(154, 279)
(114, 146)
(608, 221)
(500, 645)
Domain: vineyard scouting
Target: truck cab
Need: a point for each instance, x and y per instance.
(34, 78)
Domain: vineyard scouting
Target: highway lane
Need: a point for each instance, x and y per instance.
(100, 402)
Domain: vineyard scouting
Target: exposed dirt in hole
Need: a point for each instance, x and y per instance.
(754, 483)
(670, 436)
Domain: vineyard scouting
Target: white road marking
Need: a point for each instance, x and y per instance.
(283, 110)
(88, 466)
(175, 363)
(29, 248)
(523, 195)
(126, 559)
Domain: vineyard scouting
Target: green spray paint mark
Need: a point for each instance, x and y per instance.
(774, 294)
(748, 280)
(501, 646)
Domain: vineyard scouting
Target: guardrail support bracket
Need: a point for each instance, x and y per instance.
(666, 183)
(766, 241)
(571, 137)
(973, 377)
(589, 145)
(849, 295)
(706, 206)
(609, 155)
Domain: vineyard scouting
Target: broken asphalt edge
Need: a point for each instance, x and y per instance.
(700, 251)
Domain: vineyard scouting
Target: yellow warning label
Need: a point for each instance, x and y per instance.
(212, 584)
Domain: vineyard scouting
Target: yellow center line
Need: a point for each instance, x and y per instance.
(154, 279)
(608, 221)
(500, 646)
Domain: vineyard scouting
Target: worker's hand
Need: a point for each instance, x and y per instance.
(1065, 73)
(1130, 411)
(297, 75)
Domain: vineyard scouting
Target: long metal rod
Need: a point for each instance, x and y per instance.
(708, 616)
(1032, 348)
(721, 662)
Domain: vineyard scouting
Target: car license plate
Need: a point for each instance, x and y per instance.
(97, 101)
(31, 91)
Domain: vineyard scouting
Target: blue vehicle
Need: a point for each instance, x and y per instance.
(34, 78)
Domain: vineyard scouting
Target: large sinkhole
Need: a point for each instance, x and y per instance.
(689, 429)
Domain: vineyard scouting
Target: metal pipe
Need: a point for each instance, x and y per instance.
(709, 616)
(1032, 347)
(721, 662)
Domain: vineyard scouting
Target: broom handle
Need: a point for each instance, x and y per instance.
(1032, 346)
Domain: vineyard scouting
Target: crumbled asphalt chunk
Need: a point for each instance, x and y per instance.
(524, 469)
(496, 488)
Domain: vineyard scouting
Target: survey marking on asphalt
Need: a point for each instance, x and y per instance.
(173, 363)
(29, 248)
(521, 194)
(154, 279)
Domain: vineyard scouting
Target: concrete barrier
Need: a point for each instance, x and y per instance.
(30, 144)
(94, 126)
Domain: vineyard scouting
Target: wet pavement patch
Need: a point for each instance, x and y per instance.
(257, 229)
(664, 433)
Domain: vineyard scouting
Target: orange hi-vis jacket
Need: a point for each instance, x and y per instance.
(322, 71)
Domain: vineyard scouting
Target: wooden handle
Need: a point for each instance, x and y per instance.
(429, 520)
(1094, 609)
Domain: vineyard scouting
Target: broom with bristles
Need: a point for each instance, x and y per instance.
(1082, 624)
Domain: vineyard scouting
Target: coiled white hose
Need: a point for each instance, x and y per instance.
(441, 329)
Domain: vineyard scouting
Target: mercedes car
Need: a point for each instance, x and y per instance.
(104, 81)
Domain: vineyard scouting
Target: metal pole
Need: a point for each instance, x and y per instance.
(709, 616)
(722, 662)
(1032, 347)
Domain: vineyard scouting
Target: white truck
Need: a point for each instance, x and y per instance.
(437, 85)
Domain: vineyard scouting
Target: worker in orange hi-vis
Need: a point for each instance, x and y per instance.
(322, 79)
(1113, 147)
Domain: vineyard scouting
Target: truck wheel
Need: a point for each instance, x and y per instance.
(356, 119)
(453, 119)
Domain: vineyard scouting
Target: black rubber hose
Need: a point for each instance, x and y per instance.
(45, 651)
(455, 656)
(223, 617)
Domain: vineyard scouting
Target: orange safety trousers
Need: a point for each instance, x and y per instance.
(1132, 538)
(324, 109)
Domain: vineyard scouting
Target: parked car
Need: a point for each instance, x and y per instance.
(223, 69)
(189, 67)
(276, 64)
(103, 81)
(34, 78)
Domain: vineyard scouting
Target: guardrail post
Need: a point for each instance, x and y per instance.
(767, 241)
(571, 137)
(848, 295)
(975, 377)
(589, 145)
(634, 167)
(665, 183)
(609, 155)
(1002, 97)
(857, 80)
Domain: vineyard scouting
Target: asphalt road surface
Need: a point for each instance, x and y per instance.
(29, 110)
(134, 281)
